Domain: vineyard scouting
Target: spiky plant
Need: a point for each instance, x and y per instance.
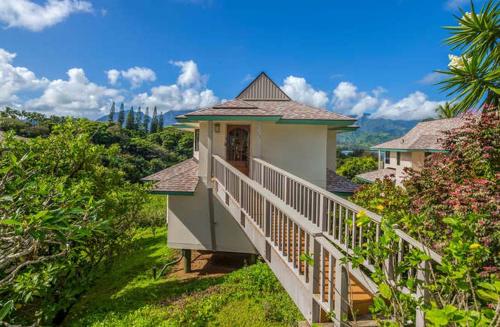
(474, 76)
(446, 110)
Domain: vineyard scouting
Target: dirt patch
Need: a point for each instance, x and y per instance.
(210, 264)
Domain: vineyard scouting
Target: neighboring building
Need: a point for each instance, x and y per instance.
(410, 150)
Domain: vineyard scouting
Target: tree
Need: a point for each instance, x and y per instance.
(356, 165)
(446, 110)
(138, 119)
(146, 119)
(130, 123)
(121, 115)
(112, 113)
(154, 121)
(160, 122)
(474, 75)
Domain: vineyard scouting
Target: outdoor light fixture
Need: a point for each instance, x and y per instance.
(217, 127)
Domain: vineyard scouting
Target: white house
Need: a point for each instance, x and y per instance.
(410, 150)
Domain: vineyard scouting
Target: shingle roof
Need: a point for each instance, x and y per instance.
(337, 183)
(371, 176)
(180, 178)
(424, 136)
(263, 98)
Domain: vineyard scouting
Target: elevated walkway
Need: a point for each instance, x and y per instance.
(304, 233)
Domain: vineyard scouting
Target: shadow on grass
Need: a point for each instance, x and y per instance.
(129, 284)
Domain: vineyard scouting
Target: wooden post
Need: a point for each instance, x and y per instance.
(267, 218)
(341, 293)
(209, 186)
(422, 292)
(186, 253)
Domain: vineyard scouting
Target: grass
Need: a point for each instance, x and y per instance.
(128, 295)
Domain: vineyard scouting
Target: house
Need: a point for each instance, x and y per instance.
(410, 150)
(262, 181)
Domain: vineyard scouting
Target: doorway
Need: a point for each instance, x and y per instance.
(238, 147)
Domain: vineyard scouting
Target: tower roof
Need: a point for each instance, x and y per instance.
(263, 88)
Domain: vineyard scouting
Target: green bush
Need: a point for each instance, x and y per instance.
(352, 166)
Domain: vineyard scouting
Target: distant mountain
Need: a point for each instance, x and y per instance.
(374, 131)
(168, 117)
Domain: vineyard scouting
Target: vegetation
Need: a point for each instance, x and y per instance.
(455, 211)
(130, 296)
(350, 167)
(446, 110)
(474, 75)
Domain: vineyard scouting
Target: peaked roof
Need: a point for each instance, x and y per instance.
(424, 136)
(263, 88)
(262, 99)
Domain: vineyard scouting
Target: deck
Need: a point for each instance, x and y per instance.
(304, 233)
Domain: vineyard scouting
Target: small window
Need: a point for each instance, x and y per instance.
(387, 157)
(196, 140)
(398, 158)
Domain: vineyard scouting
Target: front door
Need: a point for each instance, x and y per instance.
(238, 147)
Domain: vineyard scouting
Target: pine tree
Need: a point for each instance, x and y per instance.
(145, 121)
(130, 119)
(121, 115)
(138, 119)
(160, 122)
(154, 121)
(112, 113)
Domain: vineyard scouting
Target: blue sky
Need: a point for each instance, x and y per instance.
(75, 57)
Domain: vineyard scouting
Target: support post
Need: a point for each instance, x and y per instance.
(341, 293)
(422, 292)
(186, 253)
(209, 185)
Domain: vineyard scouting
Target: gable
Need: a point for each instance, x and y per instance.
(263, 88)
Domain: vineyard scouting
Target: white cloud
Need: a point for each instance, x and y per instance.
(347, 99)
(113, 76)
(15, 80)
(189, 91)
(299, 90)
(454, 4)
(76, 96)
(135, 75)
(415, 106)
(35, 17)
(431, 78)
(190, 76)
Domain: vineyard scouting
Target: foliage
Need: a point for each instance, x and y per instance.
(446, 110)
(452, 206)
(474, 75)
(356, 165)
(64, 207)
(132, 297)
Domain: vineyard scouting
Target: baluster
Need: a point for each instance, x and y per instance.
(342, 292)
(422, 292)
(353, 230)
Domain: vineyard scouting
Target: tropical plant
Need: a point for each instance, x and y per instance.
(350, 167)
(121, 115)
(474, 75)
(130, 122)
(111, 117)
(446, 110)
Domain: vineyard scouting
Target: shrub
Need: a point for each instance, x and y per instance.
(353, 166)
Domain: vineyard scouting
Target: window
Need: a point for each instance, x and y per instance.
(387, 157)
(398, 158)
(196, 140)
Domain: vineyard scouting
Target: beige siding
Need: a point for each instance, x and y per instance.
(331, 150)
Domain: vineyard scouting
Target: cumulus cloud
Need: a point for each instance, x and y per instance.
(35, 17)
(415, 106)
(14, 79)
(135, 75)
(189, 91)
(347, 99)
(431, 78)
(76, 96)
(299, 90)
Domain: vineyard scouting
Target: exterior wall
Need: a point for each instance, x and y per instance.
(331, 150)
(189, 225)
(413, 160)
(298, 149)
(418, 159)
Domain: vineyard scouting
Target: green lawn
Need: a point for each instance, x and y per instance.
(128, 295)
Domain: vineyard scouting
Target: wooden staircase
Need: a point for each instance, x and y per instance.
(305, 234)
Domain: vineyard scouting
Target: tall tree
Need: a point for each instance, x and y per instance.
(138, 119)
(145, 121)
(474, 75)
(112, 113)
(130, 123)
(121, 115)
(160, 122)
(154, 121)
(446, 110)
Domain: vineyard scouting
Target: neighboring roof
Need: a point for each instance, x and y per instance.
(262, 99)
(425, 136)
(262, 88)
(181, 178)
(371, 176)
(339, 184)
